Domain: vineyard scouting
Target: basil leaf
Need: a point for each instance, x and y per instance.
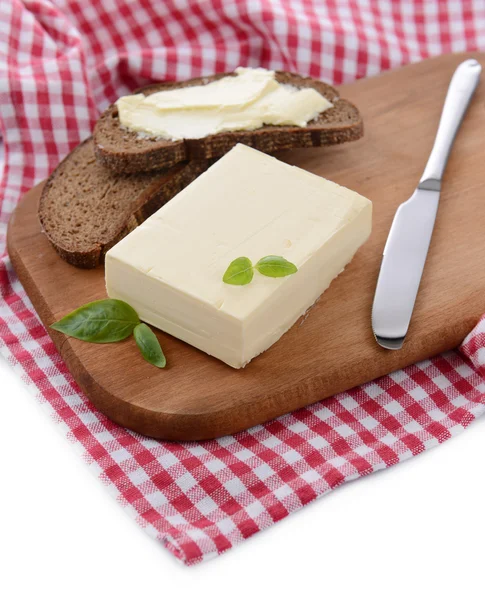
(239, 272)
(101, 322)
(275, 266)
(149, 345)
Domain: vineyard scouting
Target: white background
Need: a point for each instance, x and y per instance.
(414, 531)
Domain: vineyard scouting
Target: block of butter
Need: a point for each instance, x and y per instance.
(170, 268)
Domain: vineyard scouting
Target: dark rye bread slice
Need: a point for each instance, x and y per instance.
(126, 151)
(86, 208)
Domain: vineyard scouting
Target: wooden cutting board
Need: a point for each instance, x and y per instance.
(333, 349)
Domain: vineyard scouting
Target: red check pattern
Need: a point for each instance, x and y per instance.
(62, 61)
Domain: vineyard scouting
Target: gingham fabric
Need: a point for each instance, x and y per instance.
(61, 63)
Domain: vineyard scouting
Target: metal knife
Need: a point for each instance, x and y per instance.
(410, 235)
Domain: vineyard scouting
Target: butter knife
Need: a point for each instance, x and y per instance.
(410, 235)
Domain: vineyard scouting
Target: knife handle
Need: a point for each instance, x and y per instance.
(461, 89)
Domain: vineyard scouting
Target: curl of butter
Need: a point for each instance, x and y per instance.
(244, 101)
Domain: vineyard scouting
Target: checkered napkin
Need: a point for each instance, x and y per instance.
(61, 62)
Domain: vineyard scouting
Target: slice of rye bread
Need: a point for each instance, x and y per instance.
(86, 208)
(127, 151)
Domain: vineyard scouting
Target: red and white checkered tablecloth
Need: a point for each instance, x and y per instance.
(61, 62)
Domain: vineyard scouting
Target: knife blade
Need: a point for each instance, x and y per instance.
(409, 238)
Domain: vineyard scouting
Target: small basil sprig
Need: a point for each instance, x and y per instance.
(275, 266)
(101, 322)
(110, 320)
(149, 345)
(240, 271)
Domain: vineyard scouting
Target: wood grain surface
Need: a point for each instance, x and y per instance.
(199, 397)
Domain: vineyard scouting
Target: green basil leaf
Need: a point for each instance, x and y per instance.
(102, 322)
(239, 272)
(275, 266)
(149, 345)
